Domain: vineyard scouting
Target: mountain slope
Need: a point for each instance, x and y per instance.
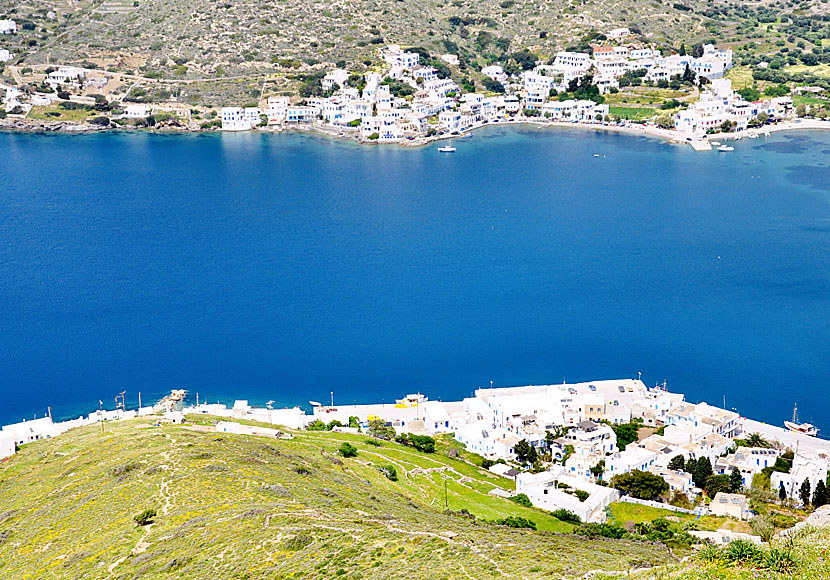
(232, 506)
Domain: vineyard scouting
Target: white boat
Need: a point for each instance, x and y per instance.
(725, 148)
(715, 143)
(447, 148)
(766, 133)
(753, 136)
(411, 400)
(596, 154)
(803, 428)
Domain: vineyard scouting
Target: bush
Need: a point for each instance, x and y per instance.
(146, 517)
(348, 450)
(601, 531)
(389, 472)
(103, 121)
(566, 516)
(743, 552)
(517, 522)
(522, 499)
(374, 443)
(316, 425)
(423, 443)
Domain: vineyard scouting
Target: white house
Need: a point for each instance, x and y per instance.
(619, 33)
(733, 505)
(277, 108)
(139, 111)
(234, 119)
(6, 446)
(552, 490)
(450, 120)
(8, 27)
(5, 55)
(495, 72)
(65, 74)
(748, 460)
(806, 465)
(300, 114)
(336, 77)
(28, 431)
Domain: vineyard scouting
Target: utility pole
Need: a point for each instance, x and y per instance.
(270, 406)
(101, 413)
(50, 412)
(332, 399)
(139, 400)
(197, 398)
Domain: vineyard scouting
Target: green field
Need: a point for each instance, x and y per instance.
(632, 113)
(57, 113)
(821, 70)
(243, 507)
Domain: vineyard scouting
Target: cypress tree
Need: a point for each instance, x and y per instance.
(804, 492)
(820, 494)
(735, 480)
(703, 470)
(782, 493)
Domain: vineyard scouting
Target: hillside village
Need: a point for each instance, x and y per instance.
(565, 446)
(413, 99)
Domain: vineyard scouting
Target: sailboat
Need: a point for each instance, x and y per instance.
(447, 148)
(803, 428)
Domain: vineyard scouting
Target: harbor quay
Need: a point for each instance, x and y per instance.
(572, 429)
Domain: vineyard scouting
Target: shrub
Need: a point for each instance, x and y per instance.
(743, 552)
(374, 443)
(780, 560)
(566, 516)
(522, 499)
(316, 425)
(592, 530)
(389, 472)
(348, 450)
(517, 522)
(146, 517)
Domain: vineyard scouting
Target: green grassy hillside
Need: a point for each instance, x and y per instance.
(232, 506)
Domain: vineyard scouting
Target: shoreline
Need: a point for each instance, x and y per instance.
(23, 126)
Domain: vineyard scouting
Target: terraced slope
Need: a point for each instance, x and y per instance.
(232, 506)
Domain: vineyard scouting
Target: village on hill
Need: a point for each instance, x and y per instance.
(573, 447)
(412, 99)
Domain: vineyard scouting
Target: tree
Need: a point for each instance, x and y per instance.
(640, 484)
(598, 469)
(702, 472)
(379, 430)
(525, 452)
(716, 484)
(316, 425)
(677, 463)
(782, 493)
(691, 465)
(332, 424)
(146, 517)
(801, 110)
(820, 494)
(492, 85)
(804, 492)
(682, 49)
(522, 499)
(348, 450)
(626, 433)
(354, 422)
(735, 480)
(756, 440)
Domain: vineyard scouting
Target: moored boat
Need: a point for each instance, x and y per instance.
(797, 427)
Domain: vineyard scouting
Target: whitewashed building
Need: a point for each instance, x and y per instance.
(8, 27)
(7, 446)
(234, 119)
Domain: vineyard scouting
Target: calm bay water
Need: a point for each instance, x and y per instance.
(288, 266)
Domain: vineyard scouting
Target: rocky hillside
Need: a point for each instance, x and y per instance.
(235, 506)
(225, 38)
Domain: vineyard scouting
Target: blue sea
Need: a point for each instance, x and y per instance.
(292, 266)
